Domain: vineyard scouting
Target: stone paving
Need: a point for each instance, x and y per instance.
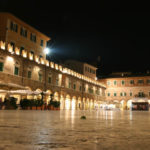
(64, 130)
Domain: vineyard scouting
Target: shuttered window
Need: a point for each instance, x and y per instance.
(1, 66)
(16, 71)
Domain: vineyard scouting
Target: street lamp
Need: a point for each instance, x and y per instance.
(46, 51)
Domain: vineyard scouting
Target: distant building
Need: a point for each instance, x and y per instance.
(82, 68)
(123, 89)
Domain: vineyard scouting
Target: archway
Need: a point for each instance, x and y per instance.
(67, 102)
(47, 96)
(73, 105)
(79, 105)
(84, 104)
(129, 104)
(91, 104)
(39, 96)
(116, 103)
(87, 104)
(62, 102)
(56, 96)
(123, 105)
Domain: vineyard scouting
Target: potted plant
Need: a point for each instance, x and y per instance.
(33, 104)
(10, 103)
(39, 104)
(54, 105)
(25, 104)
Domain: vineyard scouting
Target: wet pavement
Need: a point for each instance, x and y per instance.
(64, 130)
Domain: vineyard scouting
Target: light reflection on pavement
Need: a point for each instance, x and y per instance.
(64, 130)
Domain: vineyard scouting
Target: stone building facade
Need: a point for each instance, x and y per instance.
(22, 36)
(122, 91)
(73, 90)
(82, 68)
(23, 64)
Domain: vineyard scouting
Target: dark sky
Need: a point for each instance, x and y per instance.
(85, 31)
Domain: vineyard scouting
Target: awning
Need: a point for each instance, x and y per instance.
(10, 86)
(21, 92)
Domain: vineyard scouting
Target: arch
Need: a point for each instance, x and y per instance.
(83, 103)
(67, 102)
(56, 96)
(129, 104)
(91, 104)
(123, 105)
(62, 102)
(79, 103)
(87, 103)
(73, 103)
(47, 96)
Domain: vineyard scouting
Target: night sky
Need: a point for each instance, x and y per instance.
(86, 31)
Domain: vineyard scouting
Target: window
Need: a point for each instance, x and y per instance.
(74, 86)
(132, 82)
(115, 94)
(69, 84)
(115, 82)
(125, 94)
(141, 94)
(90, 70)
(42, 43)
(57, 81)
(23, 32)
(130, 93)
(108, 82)
(13, 27)
(121, 94)
(29, 74)
(33, 37)
(40, 77)
(122, 82)
(108, 94)
(140, 81)
(90, 90)
(97, 92)
(148, 81)
(1, 66)
(21, 49)
(149, 94)
(49, 79)
(80, 88)
(16, 71)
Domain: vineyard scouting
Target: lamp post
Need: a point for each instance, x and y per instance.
(46, 52)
